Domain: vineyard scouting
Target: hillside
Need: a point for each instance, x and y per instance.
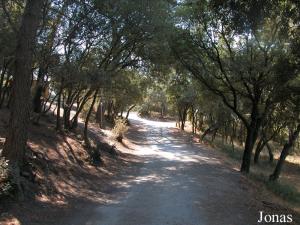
(62, 178)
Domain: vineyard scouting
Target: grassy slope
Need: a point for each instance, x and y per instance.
(288, 186)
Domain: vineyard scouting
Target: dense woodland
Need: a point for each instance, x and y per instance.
(230, 68)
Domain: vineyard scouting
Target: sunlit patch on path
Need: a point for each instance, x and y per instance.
(178, 183)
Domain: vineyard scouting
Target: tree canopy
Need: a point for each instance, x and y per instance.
(230, 67)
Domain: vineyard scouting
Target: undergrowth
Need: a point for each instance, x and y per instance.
(233, 153)
(280, 188)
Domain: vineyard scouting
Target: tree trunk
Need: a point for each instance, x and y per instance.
(258, 150)
(251, 137)
(99, 111)
(127, 114)
(67, 109)
(109, 109)
(50, 105)
(193, 120)
(86, 123)
(201, 121)
(182, 111)
(39, 89)
(15, 143)
(58, 121)
(260, 146)
(85, 99)
(284, 153)
(271, 156)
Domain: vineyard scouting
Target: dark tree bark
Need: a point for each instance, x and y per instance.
(110, 104)
(249, 144)
(72, 96)
(39, 89)
(58, 120)
(284, 153)
(87, 119)
(258, 149)
(264, 141)
(182, 113)
(47, 109)
(271, 155)
(99, 111)
(252, 133)
(128, 111)
(37, 100)
(201, 122)
(20, 107)
(15, 143)
(193, 119)
(84, 100)
(67, 109)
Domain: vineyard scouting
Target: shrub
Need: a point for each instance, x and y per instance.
(120, 129)
(96, 156)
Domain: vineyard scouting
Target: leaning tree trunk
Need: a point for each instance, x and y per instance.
(15, 143)
(86, 123)
(284, 153)
(128, 111)
(259, 148)
(85, 99)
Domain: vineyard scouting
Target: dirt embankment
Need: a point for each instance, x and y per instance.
(62, 179)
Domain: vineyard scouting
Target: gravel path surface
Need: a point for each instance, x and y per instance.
(178, 183)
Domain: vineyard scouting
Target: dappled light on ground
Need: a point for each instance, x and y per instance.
(161, 145)
(179, 182)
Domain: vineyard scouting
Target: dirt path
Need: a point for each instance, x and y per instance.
(179, 183)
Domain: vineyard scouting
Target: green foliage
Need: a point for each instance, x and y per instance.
(154, 99)
(144, 110)
(232, 65)
(126, 89)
